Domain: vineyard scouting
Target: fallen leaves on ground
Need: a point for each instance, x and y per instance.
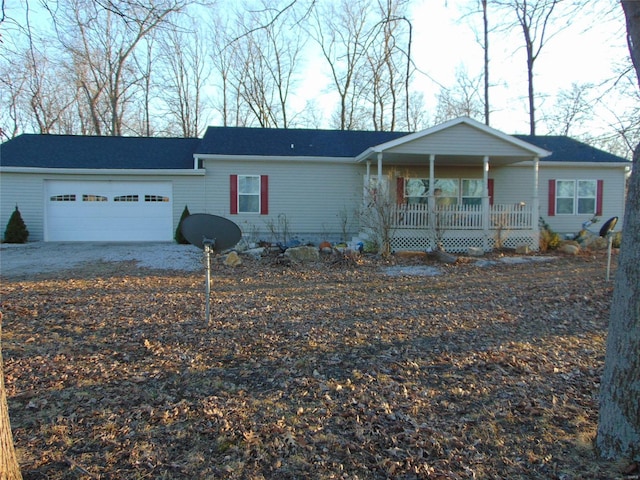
(321, 371)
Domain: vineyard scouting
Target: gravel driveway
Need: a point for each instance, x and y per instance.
(46, 257)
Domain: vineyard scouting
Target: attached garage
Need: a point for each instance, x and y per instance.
(108, 211)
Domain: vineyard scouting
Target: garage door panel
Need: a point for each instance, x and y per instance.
(109, 211)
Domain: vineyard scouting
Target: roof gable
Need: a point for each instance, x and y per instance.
(462, 136)
(76, 151)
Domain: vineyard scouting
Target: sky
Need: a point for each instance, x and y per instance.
(444, 41)
(583, 51)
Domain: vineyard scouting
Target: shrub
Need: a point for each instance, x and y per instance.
(16, 231)
(617, 239)
(549, 240)
(178, 236)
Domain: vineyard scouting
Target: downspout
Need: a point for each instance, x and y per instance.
(486, 215)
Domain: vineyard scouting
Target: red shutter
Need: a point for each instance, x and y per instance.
(233, 189)
(599, 197)
(399, 190)
(552, 198)
(490, 190)
(264, 194)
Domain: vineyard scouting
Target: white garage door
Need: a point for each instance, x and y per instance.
(108, 211)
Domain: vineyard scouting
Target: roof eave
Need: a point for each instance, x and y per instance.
(102, 171)
(285, 158)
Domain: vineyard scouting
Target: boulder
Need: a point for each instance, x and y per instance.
(444, 257)
(232, 260)
(569, 249)
(325, 247)
(523, 250)
(303, 254)
(475, 252)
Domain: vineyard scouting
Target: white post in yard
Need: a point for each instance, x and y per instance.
(486, 217)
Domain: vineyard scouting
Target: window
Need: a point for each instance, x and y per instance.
(249, 194)
(63, 198)
(126, 198)
(446, 190)
(416, 190)
(155, 198)
(93, 198)
(586, 196)
(575, 197)
(472, 190)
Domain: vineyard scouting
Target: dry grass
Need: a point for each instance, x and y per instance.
(318, 371)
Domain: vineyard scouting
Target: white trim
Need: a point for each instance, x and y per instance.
(101, 171)
(543, 164)
(275, 158)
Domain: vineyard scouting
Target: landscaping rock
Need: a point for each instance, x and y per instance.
(475, 252)
(303, 254)
(445, 257)
(523, 250)
(569, 249)
(233, 260)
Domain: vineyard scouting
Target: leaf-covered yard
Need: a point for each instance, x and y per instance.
(328, 370)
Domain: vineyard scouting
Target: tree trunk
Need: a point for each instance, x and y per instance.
(9, 468)
(619, 423)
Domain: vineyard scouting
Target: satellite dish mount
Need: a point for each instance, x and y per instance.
(212, 234)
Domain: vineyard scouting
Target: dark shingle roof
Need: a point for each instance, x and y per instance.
(290, 142)
(75, 151)
(71, 151)
(566, 149)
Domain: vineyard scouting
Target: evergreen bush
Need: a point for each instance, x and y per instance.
(16, 231)
(178, 236)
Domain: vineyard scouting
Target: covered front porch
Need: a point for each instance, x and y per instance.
(442, 192)
(456, 228)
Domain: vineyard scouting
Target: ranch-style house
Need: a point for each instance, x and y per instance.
(460, 184)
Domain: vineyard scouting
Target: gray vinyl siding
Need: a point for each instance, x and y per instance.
(25, 191)
(614, 191)
(514, 184)
(460, 140)
(311, 195)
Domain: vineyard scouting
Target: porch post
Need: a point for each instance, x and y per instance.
(535, 206)
(368, 176)
(431, 200)
(486, 216)
(379, 170)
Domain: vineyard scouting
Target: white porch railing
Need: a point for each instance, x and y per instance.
(463, 217)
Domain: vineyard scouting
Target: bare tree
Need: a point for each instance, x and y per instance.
(102, 44)
(534, 18)
(619, 423)
(572, 107)
(343, 32)
(9, 468)
(183, 78)
(260, 64)
(463, 99)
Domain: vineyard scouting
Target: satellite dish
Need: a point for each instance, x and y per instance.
(218, 232)
(212, 234)
(608, 226)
